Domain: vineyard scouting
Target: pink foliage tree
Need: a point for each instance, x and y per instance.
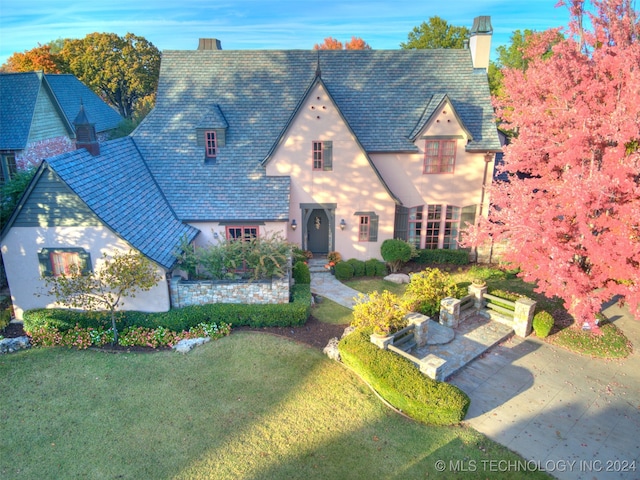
(571, 211)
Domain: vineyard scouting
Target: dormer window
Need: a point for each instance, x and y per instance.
(211, 134)
(211, 144)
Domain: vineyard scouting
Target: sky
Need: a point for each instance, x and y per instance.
(260, 24)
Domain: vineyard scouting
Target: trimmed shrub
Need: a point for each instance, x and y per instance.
(396, 253)
(400, 382)
(5, 318)
(344, 271)
(454, 257)
(427, 289)
(542, 324)
(178, 319)
(375, 268)
(358, 267)
(301, 273)
(381, 312)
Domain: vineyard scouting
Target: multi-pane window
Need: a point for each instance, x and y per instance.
(439, 156)
(415, 225)
(451, 227)
(242, 233)
(317, 156)
(211, 144)
(434, 217)
(322, 155)
(363, 231)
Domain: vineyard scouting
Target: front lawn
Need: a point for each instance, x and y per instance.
(248, 406)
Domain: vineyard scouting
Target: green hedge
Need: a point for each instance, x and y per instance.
(179, 319)
(400, 382)
(301, 273)
(344, 271)
(358, 267)
(455, 257)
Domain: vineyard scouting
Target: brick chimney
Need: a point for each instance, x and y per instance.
(209, 44)
(480, 42)
(86, 133)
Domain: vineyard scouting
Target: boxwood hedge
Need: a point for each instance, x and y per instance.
(455, 257)
(401, 383)
(272, 315)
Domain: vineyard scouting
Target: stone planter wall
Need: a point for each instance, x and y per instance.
(185, 293)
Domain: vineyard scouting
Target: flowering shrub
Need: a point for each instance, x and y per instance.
(381, 311)
(82, 338)
(334, 257)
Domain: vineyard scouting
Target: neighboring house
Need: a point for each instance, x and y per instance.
(334, 150)
(36, 117)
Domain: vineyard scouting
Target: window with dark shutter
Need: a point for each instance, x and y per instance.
(367, 226)
(327, 156)
(63, 261)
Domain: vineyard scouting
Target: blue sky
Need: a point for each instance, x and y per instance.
(259, 24)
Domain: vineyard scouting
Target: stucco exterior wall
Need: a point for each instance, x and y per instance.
(352, 184)
(20, 249)
(403, 172)
(213, 232)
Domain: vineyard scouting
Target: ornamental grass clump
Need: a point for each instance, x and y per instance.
(381, 312)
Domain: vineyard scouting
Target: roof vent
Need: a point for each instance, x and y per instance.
(209, 44)
(86, 133)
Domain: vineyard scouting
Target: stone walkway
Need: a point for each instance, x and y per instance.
(326, 285)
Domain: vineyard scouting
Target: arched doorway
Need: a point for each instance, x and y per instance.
(318, 232)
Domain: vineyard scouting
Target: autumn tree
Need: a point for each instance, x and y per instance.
(436, 33)
(123, 70)
(570, 213)
(123, 275)
(36, 59)
(330, 43)
(512, 56)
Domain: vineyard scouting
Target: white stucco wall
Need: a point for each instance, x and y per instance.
(403, 172)
(209, 230)
(352, 184)
(20, 249)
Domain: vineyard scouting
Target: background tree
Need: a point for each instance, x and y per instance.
(436, 33)
(512, 56)
(330, 43)
(123, 275)
(571, 215)
(39, 58)
(11, 192)
(123, 70)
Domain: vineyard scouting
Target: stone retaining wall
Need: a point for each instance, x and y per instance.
(185, 293)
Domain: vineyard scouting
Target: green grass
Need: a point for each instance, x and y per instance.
(375, 284)
(611, 344)
(328, 311)
(248, 406)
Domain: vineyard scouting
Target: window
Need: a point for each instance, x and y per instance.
(8, 168)
(322, 155)
(363, 231)
(367, 226)
(415, 225)
(211, 146)
(439, 156)
(242, 233)
(63, 261)
(434, 216)
(451, 227)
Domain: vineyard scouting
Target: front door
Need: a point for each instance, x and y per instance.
(318, 232)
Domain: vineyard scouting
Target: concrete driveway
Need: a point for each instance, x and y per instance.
(572, 416)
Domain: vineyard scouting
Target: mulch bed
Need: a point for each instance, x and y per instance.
(314, 333)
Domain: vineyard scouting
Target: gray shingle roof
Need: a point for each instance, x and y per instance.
(19, 92)
(119, 188)
(383, 95)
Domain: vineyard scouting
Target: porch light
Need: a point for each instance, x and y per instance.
(294, 225)
(342, 224)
